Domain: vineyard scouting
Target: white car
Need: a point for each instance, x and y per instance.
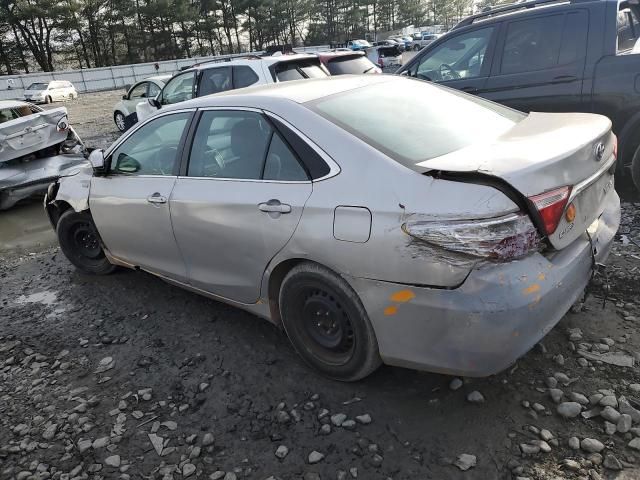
(147, 88)
(214, 77)
(424, 40)
(53, 91)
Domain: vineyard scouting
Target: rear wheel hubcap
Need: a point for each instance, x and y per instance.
(327, 323)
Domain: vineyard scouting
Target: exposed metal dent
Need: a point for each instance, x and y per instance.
(21, 179)
(74, 187)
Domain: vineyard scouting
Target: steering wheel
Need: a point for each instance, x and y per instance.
(163, 160)
(213, 169)
(448, 73)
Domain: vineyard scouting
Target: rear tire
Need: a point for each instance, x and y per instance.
(416, 47)
(635, 168)
(81, 244)
(327, 323)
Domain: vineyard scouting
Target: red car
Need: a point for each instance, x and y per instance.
(340, 62)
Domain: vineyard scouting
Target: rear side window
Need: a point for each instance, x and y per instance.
(433, 121)
(7, 114)
(346, 64)
(532, 44)
(243, 76)
(628, 31)
(214, 80)
(281, 164)
(544, 42)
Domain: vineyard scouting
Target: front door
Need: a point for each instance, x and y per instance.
(238, 204)
(130, 205)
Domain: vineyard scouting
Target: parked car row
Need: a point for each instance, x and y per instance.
(215, 77)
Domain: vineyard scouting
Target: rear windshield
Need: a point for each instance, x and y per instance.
(389, 51)
(347, 64)
(628, 29)
(415, 121)
(38, 86)
(297, 70)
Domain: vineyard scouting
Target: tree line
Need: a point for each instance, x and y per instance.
(48, 35)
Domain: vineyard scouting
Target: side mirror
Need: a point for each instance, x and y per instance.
(96, 158)
(154, 102)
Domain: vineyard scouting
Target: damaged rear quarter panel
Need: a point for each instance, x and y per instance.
(393, 194)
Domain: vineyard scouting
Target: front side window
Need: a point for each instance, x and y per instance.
(628, 30)
(214, 80)
(433, 121)
(243, 76)
(139, 91)
(179, 88)
(460, 57)
(152, 149)
(241, 145)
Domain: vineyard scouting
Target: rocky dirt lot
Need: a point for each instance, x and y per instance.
(126, 377)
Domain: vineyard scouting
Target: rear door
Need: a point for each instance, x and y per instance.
(462, 61)
(539, 64)
(130, 205)
(238, 202)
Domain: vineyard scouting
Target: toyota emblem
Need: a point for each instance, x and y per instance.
(599, 151)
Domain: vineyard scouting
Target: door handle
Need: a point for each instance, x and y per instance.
(156, 198)
(274, 206)
(469, 89)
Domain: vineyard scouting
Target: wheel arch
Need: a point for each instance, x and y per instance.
(629, 139)
(275, 275)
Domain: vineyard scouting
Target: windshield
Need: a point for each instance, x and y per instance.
(38, 86)
(427, 121)
(348, 64)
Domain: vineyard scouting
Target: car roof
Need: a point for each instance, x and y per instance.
(518, 8)
(12, 103)
(158, 78)
(249, 59)
(298, 91)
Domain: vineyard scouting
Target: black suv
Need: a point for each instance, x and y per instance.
(548, 56)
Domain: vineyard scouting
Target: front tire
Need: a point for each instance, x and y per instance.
(416, 48)
(327, 323)
(119, 119)
(47, 99)
(80, 243)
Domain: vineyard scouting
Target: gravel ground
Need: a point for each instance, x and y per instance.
(127, 377)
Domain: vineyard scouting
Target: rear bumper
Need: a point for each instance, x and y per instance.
(494, 317)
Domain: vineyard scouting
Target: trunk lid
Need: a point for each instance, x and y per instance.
(543, 152)
(30, 133)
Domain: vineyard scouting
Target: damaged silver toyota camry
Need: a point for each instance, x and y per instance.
(377, 219)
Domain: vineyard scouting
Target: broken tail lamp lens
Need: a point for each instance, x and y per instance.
(501, 238)
(63, 124)
(551, 205)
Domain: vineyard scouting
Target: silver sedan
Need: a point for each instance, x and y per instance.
(377, 219)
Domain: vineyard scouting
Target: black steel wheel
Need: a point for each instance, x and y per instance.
(327, 323)
(80, 243)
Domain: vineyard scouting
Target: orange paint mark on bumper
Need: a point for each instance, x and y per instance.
(391, 310)
(533, 288)
(402, 296)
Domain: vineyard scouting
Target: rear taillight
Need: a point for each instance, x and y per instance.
(63, 124)
(501, 238)
(615, 145)
(550, 205)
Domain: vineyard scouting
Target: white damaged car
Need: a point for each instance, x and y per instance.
(36, 145)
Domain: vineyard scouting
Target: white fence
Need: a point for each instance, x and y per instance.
(112, 78)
